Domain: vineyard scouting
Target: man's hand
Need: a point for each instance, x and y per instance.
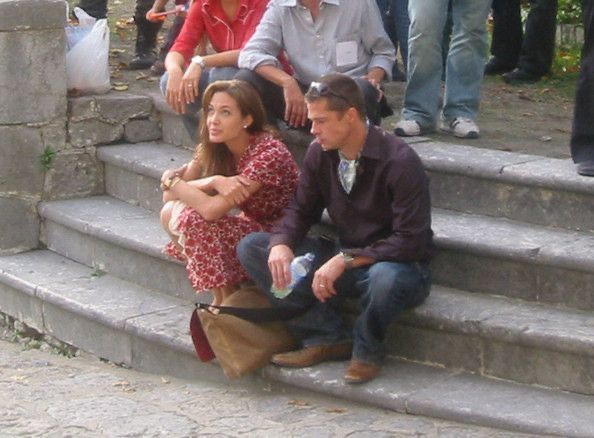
(295, 108)
(279, 263)
(375, 76)
(325, 277)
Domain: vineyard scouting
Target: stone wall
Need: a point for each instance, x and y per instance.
(32, 111)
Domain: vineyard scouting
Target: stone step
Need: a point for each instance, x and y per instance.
(125, 241)
(113, 236)
(504, 257)
(132, 172)
(526, 188)
(173, 130)
(479, 253)
(141, 328)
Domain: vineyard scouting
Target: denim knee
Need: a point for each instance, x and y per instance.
(407, 283)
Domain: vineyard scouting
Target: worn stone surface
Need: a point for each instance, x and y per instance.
(132, 172)
(74, 174)
(47, 394)
(39, 94)
(474, 400)
(114, 107)
(90, 132)
(25, 15)
(535, 366)
(133, 188)
(19, 223)
(21, 306)
(130, 265)
(503, 257)
(139, 130)
(20, 167)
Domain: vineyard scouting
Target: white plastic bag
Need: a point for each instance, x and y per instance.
(87, 61)
(76, 33)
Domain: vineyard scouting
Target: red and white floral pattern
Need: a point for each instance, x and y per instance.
(209, 247)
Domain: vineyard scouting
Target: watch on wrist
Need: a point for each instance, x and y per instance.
(347, 258)
(199, 60)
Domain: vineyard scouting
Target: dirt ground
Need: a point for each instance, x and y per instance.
(533, 119)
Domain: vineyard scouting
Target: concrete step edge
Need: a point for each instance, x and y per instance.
(91, 222)
(505, 238)
(402, 386)
(148, 159)
(505, 319)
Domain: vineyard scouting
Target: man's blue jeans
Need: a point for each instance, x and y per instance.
(384, 289)
(465, 61)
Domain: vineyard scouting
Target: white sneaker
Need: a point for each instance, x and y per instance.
(461, 127)
(407, 128)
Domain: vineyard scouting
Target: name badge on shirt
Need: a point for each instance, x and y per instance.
(346, 53)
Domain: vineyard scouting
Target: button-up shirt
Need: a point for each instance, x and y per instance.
(207, 17)
(350, 30)
(386, 215)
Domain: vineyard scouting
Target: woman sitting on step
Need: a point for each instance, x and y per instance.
(238, 165)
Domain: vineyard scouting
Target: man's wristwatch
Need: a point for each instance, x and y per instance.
(347, 258)
(200, 61)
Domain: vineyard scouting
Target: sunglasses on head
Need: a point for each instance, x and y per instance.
(317, 89)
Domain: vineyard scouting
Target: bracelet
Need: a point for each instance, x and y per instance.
(174, 181)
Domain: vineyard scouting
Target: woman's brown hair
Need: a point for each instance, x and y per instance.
(215, 158)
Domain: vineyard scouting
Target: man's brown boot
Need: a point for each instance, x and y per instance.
(310, 356)
(360, 372)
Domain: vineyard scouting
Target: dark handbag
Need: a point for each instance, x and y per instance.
(242, 334)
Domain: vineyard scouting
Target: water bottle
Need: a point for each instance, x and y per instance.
(300, 266)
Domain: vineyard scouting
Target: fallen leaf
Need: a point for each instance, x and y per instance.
(120, 86)
(528, 114)
(336, 410)
(546, 138)
(165, 380)
(298, 403)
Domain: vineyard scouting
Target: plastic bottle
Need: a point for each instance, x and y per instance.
(300, 266)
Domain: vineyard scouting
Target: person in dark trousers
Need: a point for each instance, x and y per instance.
(522, 57)
(582, 135)
(396, 22)
(146, 32)
(376, 192)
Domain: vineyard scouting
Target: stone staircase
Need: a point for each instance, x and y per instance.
(505, 340)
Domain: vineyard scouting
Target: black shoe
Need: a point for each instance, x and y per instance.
(585, 168)
(519, 76)
(495, 67)
(142, 61)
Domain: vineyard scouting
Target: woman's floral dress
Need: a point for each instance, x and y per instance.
(209, 247)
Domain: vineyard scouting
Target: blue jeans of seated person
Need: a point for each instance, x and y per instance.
(384, 290)
(190, 117)
(465, 61)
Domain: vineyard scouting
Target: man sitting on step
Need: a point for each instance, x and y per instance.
(376, 192)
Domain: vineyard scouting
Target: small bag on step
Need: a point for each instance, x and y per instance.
(87, 58)
(242, 334)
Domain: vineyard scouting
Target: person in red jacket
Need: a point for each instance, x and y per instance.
(228, 25)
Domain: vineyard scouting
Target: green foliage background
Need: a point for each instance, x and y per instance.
(570, 11)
